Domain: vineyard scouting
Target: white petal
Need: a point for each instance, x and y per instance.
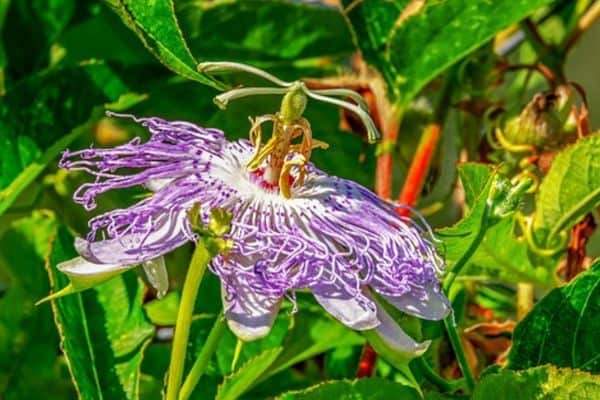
(250, 315)
(349, 310)
(85, 274)
(156, 184)
(156, 272)
(395, 338)
(428, 303)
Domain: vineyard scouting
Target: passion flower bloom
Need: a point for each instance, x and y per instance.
(325, 234)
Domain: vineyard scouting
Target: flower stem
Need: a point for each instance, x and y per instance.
(199, 367)
(449, 322)
(432, 376)
(459, 352)
(200, 259)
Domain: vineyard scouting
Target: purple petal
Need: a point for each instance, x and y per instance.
(134, 248)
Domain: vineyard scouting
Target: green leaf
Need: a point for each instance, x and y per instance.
(562, 328)
(263, 32)
(363, 389)
(163, 311)
(243, 378)
(28, 340)
(571, 188)
(546, 382)
(459, 238)
(509, 262)
(155, 23)
(412, 48)
(473, 177)
(42, 115)
(103, 330)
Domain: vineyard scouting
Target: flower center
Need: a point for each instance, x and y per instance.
(275, 160)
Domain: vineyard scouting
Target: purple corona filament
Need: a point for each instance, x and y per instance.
(331, 236)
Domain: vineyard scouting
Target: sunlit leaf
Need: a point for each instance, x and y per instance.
(103, 330)
(570, 189)
(562, 328)
(411, 46)
(263, 32)
(363, 389)
(547, 382)
(237, 383)
(156, 25)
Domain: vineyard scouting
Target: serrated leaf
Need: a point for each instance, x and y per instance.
(28, 339)
(412, 48)
(263, 32)
(546, 382)
(155, 23)
(570, 189)
(42, 115)
(562, 328)
(244, 377)
(103, 330)
(363, 389)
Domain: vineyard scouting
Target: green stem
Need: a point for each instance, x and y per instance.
(201, 363)
(449, 322)
(200, 259)
(459, 352)
(432, 376)
(469, 253)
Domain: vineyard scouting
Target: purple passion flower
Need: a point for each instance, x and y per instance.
(327, 235)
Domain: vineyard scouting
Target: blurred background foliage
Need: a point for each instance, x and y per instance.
(453, 63)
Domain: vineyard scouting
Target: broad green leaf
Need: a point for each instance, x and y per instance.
(29, 362)
(42, 115)
(362, 389)
(263, 32)
(546, 382)
(244, 377)
(413, 42)
(461, 237)
(562, 328)
(570, 189)
(103, 330)
(155, 23)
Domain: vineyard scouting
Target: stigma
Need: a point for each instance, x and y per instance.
(289, 148)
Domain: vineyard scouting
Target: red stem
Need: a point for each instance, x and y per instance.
(419, 168)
